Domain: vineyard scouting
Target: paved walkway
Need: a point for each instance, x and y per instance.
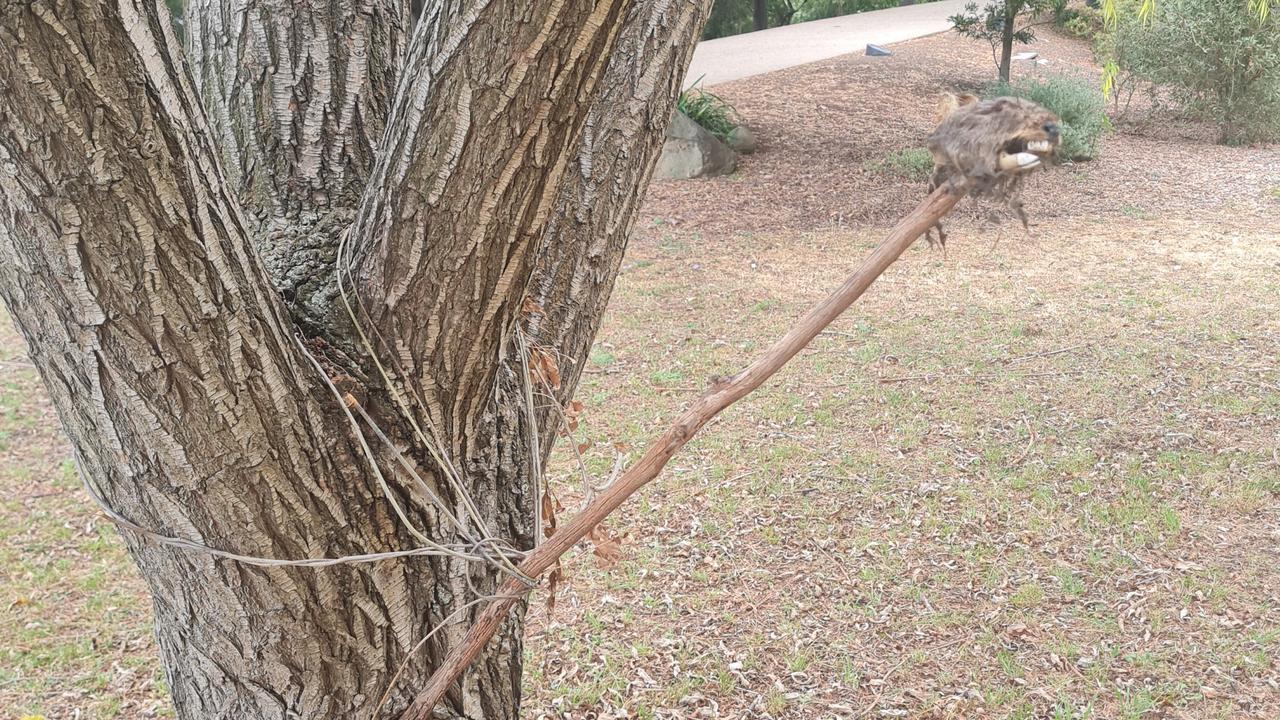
(739, 56)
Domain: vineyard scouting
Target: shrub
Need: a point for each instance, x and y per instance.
(1082, 22)
(708, 110)
(1212, 59)
(911, 163)
(1075, 101)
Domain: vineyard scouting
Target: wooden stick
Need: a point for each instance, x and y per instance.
(719, 396)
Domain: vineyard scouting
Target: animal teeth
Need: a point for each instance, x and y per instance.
(1020, 162)
(1038, 146)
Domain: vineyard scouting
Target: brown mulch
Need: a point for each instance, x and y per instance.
(821, 126)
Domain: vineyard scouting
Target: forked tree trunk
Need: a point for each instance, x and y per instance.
(169, 265)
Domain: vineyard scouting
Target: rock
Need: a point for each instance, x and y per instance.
(742, 140)
(877, 51)
(691, 151)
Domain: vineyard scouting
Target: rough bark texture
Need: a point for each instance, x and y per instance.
(587, 234)
(126, 265)
(469, 178)
(297, 97)
(146, 213)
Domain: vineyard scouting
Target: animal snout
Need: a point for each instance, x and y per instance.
(1051, 128)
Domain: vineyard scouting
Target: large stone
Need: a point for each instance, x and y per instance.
(742, 140)
(691, 151)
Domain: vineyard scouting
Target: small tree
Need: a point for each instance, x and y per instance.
(998, 24)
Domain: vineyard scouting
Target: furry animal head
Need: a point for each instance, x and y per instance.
(992, 142)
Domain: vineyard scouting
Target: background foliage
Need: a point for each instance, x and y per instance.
(731, 17)
(1077, 103)
(1209, 58)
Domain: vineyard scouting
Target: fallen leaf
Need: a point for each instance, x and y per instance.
(606, 547)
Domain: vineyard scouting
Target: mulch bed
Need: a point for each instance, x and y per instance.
(822, 127)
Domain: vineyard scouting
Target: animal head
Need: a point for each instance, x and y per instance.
(992, 141)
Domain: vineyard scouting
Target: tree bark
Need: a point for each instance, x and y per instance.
(297, 97)
(760, 14)
(139, 242)
(126, 265)
(583, 244)
(1006, 39)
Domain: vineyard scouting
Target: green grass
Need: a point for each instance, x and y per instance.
(709, 110)
(911, 163)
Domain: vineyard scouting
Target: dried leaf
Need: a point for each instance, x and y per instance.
(571, 412)
(606, 546)
(553, 584)
(549, 508)
(543, 368)
(529, 307)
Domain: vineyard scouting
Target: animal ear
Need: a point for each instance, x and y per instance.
(950, 102)
(947, 104)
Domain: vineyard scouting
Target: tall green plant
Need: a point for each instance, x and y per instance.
(1210, 59)
(709, 110)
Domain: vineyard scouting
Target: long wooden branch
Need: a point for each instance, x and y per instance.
(720, 396)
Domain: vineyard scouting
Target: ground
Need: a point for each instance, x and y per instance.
(1036, 476)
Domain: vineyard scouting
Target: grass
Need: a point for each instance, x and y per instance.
(708, 110)
(911, 163)
(1069, 493)
(74, 635)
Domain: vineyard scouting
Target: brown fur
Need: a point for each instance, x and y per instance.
(970, 139)
(950, 102)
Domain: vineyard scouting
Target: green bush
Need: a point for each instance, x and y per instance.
(730, 17)
(1075, 101)
(1081, 22)
(1211, 59)
(911, 163)
(708, 110)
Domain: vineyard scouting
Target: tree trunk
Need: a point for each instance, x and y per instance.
(297, 95)
(586, 235)
(1006, 41)
(760, 14)
(501, 150)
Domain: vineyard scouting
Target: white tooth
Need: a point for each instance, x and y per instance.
(1019, 161)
